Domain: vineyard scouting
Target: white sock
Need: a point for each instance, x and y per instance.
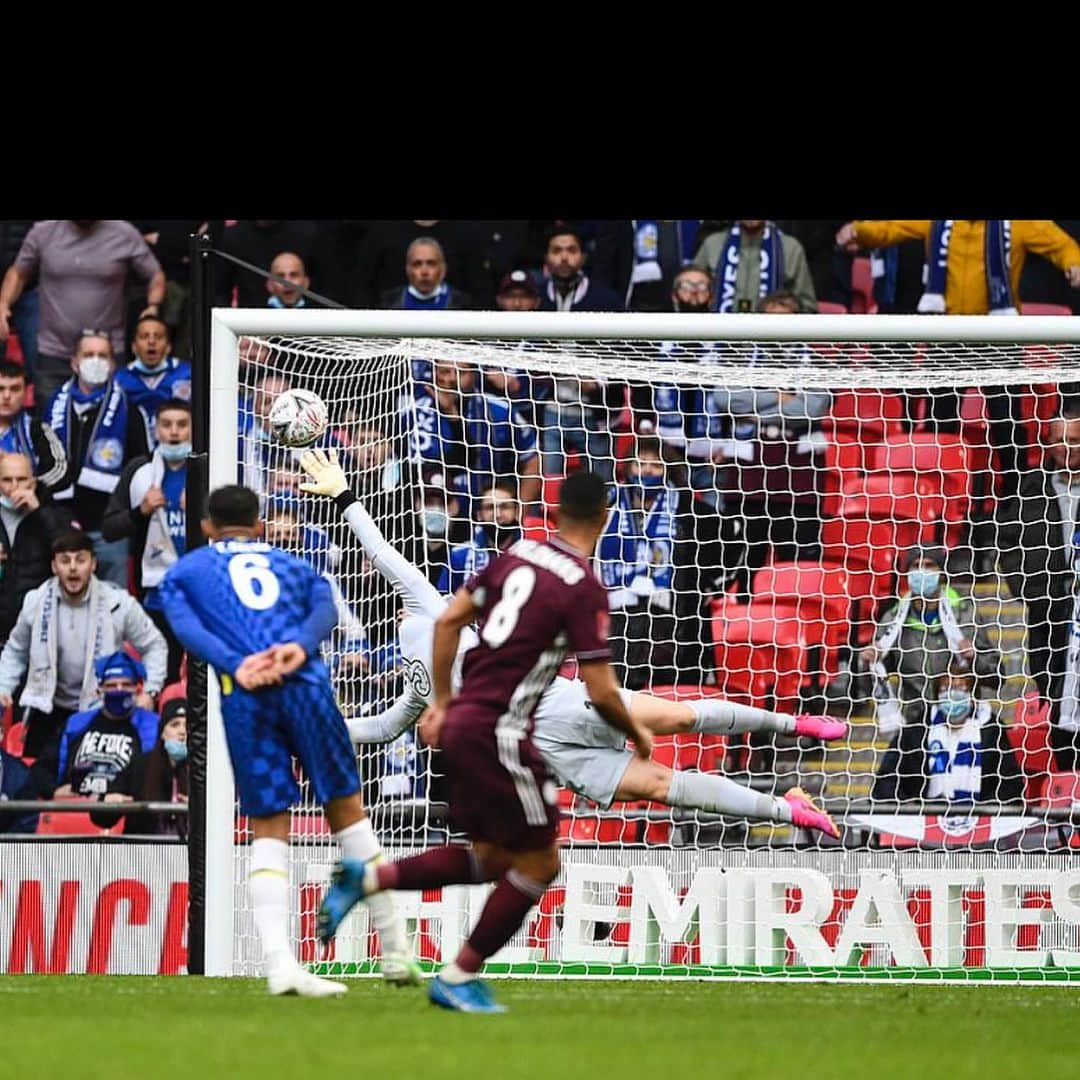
(728, 718)
(453, 975)
(359, 842)
(268, 885)
(719, 795)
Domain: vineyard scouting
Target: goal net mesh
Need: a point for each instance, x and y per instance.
(880, 533)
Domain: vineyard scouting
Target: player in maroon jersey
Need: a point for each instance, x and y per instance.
(533, 604)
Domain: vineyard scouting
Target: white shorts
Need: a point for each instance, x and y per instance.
(586, 753)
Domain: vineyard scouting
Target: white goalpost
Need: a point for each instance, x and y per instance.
(808, 470)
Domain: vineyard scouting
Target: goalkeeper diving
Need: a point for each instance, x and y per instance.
(585, 753)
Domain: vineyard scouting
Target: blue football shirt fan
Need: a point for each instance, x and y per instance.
(258, 615)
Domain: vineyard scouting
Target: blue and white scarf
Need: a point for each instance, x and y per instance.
(687, 230)
(636, 542)
(954, 755)
(106, 447)
(687, 415)
(770, 271)
(146, 389)
(18, 440)
(417, 301)
(646, 251)
(277, 302)
(997, 258)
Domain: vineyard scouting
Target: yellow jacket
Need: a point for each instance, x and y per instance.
(965, 272)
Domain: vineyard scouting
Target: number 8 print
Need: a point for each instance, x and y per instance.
(516, 590)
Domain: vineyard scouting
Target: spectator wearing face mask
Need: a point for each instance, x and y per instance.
(164, 775)
(636, 562)
(100, 432)
(439, 511)
(686, 417)
(966, 754)
(498, 526)
(99, 749)
(155, 375)
(148, 508)
(918, 638)
(27, 531)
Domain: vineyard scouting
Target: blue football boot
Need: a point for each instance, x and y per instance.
(345, 892)
(472, 996)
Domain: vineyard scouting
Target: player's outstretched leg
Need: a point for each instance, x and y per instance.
(719, 717)
(719, 795)
(269, 889)
(360, 848)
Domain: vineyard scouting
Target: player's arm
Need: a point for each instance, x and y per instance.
(448, 626)
(190, 632)
(599, 679)
(328, 479)
(322, 617)
(389, 724)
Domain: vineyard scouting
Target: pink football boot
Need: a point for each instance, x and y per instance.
(820, 727)
(806, 815)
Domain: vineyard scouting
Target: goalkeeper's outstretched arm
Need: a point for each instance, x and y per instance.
(389, 724)
(418, 595)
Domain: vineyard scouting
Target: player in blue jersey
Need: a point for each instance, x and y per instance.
(258, 615)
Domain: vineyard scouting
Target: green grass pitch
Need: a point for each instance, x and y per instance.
(87, 1026)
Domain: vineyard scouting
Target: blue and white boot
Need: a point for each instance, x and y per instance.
(473, 996)
(345, 892)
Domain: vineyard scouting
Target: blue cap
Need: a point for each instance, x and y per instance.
(119, 665)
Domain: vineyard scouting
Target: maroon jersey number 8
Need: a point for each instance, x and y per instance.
(516, 590)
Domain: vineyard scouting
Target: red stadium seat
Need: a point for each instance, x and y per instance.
(51, 823)
(1029, 736)
(845, 459)
(872, 547)
(827, 598)
(867, 415)
(942, 465)
(900, 497)
(1063, 791)
(862, 288)
(1029, 308)
(827, 307)
(758, 655)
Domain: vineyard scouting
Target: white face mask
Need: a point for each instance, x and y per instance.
(95, 370)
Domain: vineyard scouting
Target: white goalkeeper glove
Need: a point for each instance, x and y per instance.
(324, 470)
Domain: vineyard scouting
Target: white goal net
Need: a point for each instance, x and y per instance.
(863, 520)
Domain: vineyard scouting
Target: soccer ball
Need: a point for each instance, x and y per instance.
(297, 417)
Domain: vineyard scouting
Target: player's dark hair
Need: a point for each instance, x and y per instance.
(173, 405)
(9, 369)
(232, 505)
(582, 497)
(72, 540)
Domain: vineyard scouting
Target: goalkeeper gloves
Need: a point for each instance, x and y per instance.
(324, 470)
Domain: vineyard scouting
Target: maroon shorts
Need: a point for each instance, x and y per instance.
(500, 789)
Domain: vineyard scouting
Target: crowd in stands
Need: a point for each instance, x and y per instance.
(714, 491)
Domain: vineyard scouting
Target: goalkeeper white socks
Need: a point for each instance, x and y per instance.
(359, 842)
(719, 795)
(727, 718)
(268, 885)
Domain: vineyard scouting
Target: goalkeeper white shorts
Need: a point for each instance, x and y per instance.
(586, 753)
